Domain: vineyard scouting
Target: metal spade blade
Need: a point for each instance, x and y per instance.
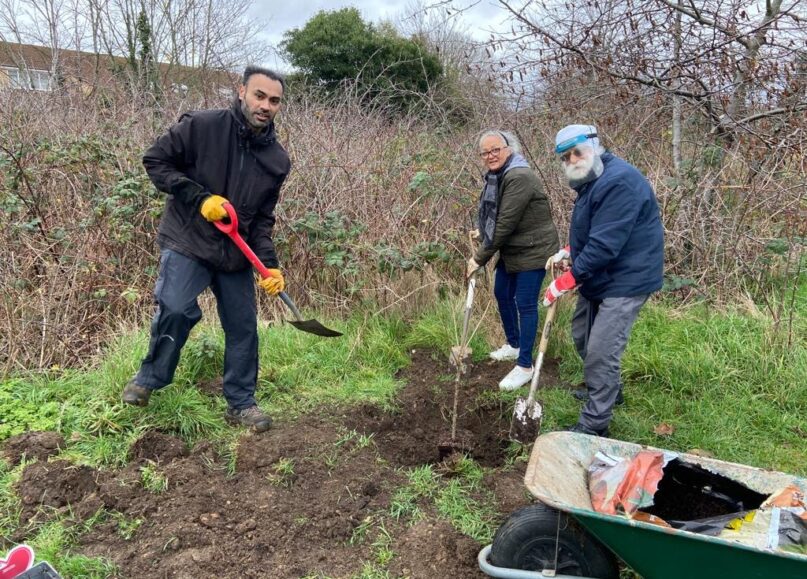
(231, 230)
(310, 326)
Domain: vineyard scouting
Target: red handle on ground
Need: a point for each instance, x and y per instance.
(231, 230)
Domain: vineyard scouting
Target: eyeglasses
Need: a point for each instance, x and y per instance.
(491, 153)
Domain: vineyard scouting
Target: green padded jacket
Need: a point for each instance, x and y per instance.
(525, 235)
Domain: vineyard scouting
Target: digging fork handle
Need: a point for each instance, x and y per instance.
(550, 317)
(542, 345)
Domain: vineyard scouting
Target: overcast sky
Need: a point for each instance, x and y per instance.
(479, 17)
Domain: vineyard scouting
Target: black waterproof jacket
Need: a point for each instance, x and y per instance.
(215, 152)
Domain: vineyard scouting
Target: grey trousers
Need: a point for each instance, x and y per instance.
(600, 330)
(179, 284)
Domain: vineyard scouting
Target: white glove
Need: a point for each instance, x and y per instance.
(562, 254)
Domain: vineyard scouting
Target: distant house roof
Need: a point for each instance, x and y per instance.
(94, 69)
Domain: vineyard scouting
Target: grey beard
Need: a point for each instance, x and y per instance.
(596, 170)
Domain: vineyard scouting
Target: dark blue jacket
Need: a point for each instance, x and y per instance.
(616, 237)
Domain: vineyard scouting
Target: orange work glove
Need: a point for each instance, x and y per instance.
(274, 284)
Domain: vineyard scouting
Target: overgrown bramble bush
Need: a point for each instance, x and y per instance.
(375, 211)
(367, 203)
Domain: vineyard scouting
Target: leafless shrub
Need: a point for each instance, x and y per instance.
(374, 203)
(375, 209)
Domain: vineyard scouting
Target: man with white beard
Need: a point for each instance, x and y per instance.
(616, 245)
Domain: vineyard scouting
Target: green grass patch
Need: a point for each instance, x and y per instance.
(300, 371)
(53, 543)
(423, 484)
(10, 503)
(371, 570)
(282, 473)
(441, 328)
(127, 527)
(458, 496)
(24, 409)
(726, 381)
(152, 479)
(464, 502)
(373, 525)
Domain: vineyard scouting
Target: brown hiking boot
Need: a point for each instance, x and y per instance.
(252, 417)
(135, 394)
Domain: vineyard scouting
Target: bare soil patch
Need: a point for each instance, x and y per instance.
(301, 493)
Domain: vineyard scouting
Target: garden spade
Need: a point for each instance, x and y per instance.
(527, 414)
(231, 230)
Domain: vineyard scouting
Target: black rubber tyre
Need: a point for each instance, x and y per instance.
(527, 539)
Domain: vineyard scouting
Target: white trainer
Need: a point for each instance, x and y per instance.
(516, 378)
(506, 352)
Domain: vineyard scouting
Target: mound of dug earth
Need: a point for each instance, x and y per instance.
(307, 499)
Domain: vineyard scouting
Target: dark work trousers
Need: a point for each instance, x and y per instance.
(517, 297)
(600, 330)
(179, 284)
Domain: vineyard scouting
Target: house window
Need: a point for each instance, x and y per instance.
(26, 78)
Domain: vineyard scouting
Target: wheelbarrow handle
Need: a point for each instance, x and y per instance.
(231, 230)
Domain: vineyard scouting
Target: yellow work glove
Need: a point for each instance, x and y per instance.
(274, 284)
(212, 208)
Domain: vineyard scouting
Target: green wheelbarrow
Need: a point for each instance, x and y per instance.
(562, 536)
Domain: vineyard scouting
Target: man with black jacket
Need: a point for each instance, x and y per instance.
(616, 244)
(209, 158)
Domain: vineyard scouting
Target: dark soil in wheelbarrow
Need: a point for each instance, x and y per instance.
(309, 498)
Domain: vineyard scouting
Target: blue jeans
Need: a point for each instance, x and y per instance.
(517, 296)
(179, 283)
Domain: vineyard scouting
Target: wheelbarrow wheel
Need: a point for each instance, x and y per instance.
(535, 537)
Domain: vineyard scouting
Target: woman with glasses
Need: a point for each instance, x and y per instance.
(515, 221)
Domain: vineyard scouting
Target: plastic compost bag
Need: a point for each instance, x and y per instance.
(789, 520)
(619, 485)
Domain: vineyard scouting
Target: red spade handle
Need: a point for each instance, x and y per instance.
(231, 230)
